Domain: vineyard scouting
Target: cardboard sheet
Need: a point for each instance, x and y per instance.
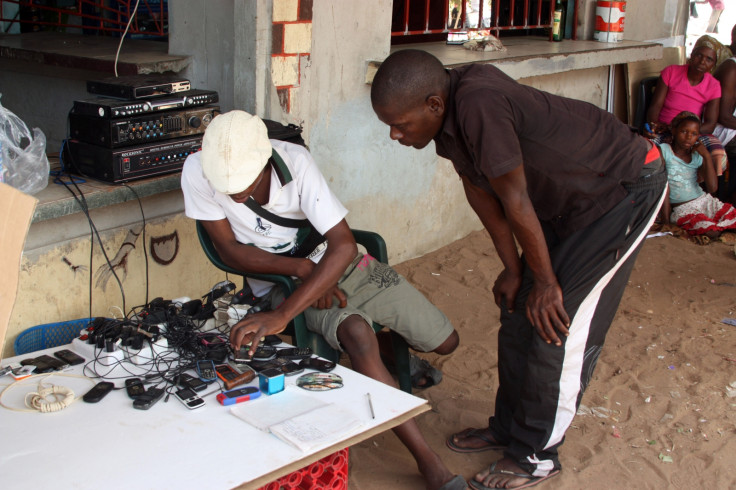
(16, 212)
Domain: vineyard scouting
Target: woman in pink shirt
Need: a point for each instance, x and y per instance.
(691, 88)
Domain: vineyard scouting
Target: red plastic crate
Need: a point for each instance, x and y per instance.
(329, 473)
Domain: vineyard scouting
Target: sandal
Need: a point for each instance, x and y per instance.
(423, 374)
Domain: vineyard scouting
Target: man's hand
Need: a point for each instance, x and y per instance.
(546, 312)
(505, 289)
(254, 327)
(325, 302)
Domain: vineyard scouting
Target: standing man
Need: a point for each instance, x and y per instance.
(577, 190)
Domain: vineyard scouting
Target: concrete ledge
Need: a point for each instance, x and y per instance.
(89, 53)
(533, 56)
(55, 201)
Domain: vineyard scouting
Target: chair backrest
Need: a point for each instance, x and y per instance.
(646, 91)
(48, 335)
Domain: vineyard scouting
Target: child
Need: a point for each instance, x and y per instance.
(692, 209)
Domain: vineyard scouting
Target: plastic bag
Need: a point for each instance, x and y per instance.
(23, 161)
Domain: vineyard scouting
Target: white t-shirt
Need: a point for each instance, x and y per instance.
(306, 196)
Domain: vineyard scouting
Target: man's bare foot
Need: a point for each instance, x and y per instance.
(435, 473)
(504, 473)
(473, 441)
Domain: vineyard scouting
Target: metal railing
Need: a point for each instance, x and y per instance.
(420, 18)
(91, 17)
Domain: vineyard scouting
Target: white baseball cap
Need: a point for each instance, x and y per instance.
(235, 148)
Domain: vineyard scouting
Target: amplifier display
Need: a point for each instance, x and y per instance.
(131, 163)
(115, 108)
(135, 130)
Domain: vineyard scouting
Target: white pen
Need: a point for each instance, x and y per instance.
(370, 405)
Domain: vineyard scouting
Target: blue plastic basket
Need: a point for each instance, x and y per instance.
(48, 335)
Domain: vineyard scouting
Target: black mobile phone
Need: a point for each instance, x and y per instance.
(206, 371)
(55, 363)
(98, 392)
(134, 387)
(148, 399)
(291, 368)
(319, 364)
(264, 353)
(272, 340)
(295, 353)
(69, 357)
(188, 381)
(41, 367)
(189, 398)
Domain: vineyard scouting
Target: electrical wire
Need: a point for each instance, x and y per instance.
(120, 45)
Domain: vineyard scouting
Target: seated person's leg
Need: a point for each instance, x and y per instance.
(358, 340)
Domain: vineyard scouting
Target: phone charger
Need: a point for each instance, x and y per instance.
(271, 381)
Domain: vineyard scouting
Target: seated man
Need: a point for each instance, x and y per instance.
(227, 185)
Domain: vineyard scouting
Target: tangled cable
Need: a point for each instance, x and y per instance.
(38, 401)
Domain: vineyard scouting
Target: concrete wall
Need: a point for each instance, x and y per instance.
(413, 198)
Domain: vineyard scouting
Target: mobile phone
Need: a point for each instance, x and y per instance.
(206, 371)
(295, 353)
(319, 364)
(69, 357)
(188, 381)
(290, 368)
(264, 353)
(98, 392)
(212, 339)
(134, 387)
(238, 395)
(41, 367)
(189, 398)
(56, 364)
(148, 399)
(22, 371)
(231, 377)
(272, 340)
(240, 367)
(225, 372)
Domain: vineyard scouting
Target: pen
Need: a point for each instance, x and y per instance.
(370, 405)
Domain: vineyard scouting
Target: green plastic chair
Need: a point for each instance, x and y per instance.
(375, 246)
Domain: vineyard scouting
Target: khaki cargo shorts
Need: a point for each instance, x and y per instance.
(379, 294)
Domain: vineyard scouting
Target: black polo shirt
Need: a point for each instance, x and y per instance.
(576, 156)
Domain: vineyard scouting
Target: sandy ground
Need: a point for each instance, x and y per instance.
(659, 414)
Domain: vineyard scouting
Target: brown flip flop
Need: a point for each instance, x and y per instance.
(477, 433)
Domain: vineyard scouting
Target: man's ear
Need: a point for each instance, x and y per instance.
(436, 105)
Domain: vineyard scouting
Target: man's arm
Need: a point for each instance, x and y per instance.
(316, 279)
(491, 214)
(726, 74)
(544, 306)
(512, 217)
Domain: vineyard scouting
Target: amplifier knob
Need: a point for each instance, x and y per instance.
(194, 122)
(146, 107)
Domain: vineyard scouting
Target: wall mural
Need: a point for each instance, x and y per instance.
(164, 248)
(120, 261)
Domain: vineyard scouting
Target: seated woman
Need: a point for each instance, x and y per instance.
(691, 88)
(693, 210)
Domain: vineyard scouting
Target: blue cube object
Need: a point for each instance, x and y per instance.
(271, 381)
